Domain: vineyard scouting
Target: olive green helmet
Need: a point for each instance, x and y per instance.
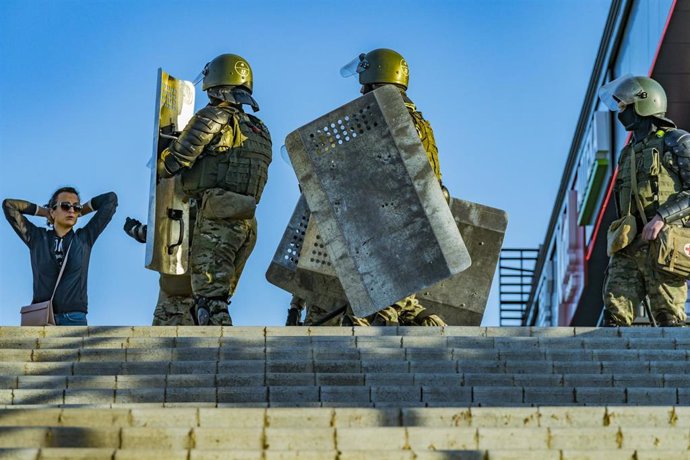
(645, 94)
(228, 69)
(381, 65)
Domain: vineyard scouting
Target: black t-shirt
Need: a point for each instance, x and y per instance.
(71, 294)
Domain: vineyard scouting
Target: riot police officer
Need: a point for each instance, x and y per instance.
(223, 156)
(377, 68)
(653, 185)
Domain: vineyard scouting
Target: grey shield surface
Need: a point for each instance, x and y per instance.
(281, 272)
(379, 208)
(167, 239)
(461, 299)
(288, 271)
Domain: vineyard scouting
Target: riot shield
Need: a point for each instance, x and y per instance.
(291, 267)
(281, 272)
(167, 238)
(461, 299)
(379, 208)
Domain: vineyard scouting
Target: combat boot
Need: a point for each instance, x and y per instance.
(220, 311)
(293, 317)
(426, 318)
(612, 321)
(200, 311)
(386, 317)
(665, 319)
(211, 311)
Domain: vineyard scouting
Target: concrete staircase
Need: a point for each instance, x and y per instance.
(344, 393)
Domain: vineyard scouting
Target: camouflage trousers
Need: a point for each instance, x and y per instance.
(630, 277)
(175, 300)
(406, 312)
(219, 252)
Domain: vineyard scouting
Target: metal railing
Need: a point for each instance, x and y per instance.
(515, 274)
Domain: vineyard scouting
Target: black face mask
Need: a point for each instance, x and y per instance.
(629, 118)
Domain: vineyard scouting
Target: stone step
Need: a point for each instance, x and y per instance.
(344, 393)
(353, 395)
(677, 417)
(251, 334)
(200, 454)
(363, 439)
(335, 351)
(608, 371)
(369, 379)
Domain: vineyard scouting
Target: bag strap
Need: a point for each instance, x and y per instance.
(632, 168)
(634, 190)
(62, 269)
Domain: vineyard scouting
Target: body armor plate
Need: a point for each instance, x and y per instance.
(379, 208)
(167, 239)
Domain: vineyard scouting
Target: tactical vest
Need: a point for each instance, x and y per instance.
(657, 176)
(241, 169)
(426, 135)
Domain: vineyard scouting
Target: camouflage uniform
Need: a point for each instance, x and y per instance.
(660, 175)
(218, 255)
(223, 156)
(175, 301)
(630, 277)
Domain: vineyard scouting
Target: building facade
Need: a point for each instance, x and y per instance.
(641, 37)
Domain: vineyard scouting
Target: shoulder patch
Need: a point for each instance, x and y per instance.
(678, 141)
(257, 122)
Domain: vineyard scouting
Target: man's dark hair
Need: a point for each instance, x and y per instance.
(53, 199)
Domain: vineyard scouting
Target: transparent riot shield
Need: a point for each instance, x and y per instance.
(379, 208)
(167, 239)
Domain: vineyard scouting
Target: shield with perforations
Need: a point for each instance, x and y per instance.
(381, 214)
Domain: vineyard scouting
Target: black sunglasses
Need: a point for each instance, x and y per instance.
(66, 206)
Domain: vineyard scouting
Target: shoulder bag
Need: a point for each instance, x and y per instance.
(41, 313)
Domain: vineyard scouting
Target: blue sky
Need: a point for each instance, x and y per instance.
(501, 82)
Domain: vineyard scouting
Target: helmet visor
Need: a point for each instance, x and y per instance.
(201, 75)
(284, 155)
(355, 66)
(621, 92)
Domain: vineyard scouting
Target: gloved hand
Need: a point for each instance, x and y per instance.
(135, 229)
(161, 171)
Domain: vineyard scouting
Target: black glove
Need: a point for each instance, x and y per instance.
(135, 229)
